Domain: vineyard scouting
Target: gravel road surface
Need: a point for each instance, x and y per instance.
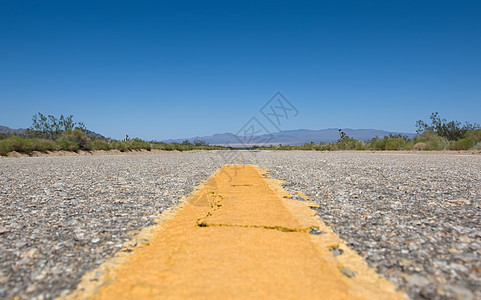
(416, 218)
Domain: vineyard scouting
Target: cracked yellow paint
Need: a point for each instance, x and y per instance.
(237, 237)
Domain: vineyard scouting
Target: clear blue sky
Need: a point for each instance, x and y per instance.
(172, 69)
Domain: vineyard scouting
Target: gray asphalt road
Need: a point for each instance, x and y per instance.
(414, 217)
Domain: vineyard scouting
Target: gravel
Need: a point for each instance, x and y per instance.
(414, 217)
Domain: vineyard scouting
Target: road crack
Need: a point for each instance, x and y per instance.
(279, 228)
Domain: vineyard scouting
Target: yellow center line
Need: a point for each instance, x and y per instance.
(239, 236)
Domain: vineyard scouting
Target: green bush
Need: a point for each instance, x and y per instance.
(477, 146)
(431, 140)
(15, 143)
(99, 144)
(462, 144)
(350, 144)
(119, 145)
(67, 145)
(452, 130)
(43, 145)
(388, 144)
(77, 136)
(25, 145)
(138, 144)
(330, 147)
(474, 134)
(164, 146)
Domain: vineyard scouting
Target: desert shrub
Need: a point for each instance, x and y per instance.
(99, 144)
(388, 144)
(327, 147)
(180, 147)
(330, 147)
(462, 144)
(24, 145)
(4, 147)
(306, 147)
(50, 127)
(138, 144)
(15, 143)
(163, 146)
(477, 146)
(378, 144)
(169, 146)
(67, 145)
(77, 136)
(158, 146)
(408, 145)
(474, 134)
(119, 145)
(419, 146)
(432, 140)
(43, 145)
(452, 130)
(350, 144)
(199, 142)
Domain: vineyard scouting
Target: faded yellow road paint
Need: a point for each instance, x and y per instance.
(238, 237)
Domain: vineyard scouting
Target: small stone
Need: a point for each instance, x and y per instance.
(316, 231)
(427, 292)
(31, 288)
(413, 247)
(3, 279)
(460, 292)
(348, 272)
(336, 251)
(417, 280)
(458, 267)
(80, 236)
(465, 239)
(466, 257)
(20, 244)
(31, 253)
(455, 251)
(41, 275)
(405, 262)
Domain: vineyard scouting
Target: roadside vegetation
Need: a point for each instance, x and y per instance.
(439, 135)
(48, 134)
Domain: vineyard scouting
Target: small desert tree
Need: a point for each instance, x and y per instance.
(199, 142)
(49, 127)
(452, 130)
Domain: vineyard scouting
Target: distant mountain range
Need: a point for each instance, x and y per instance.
(10, 131)
(285, 137)
(290, 137)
